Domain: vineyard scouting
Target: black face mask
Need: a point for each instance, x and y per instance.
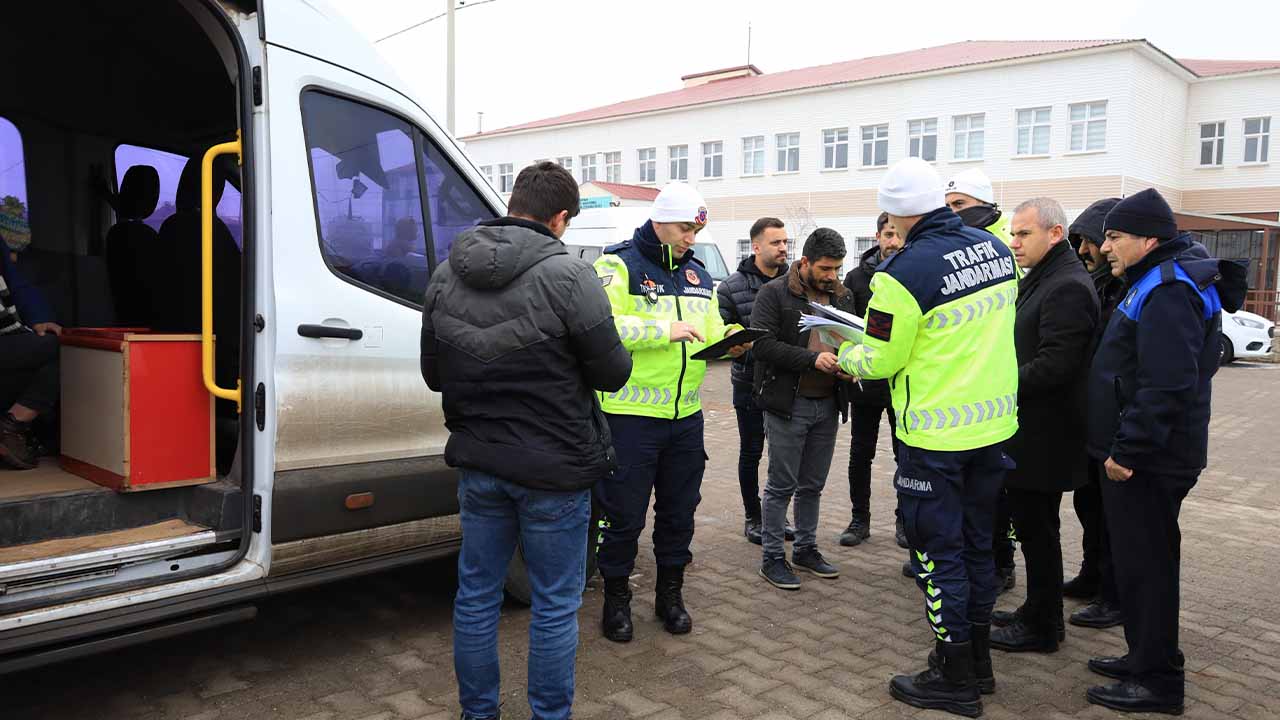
(979, 216)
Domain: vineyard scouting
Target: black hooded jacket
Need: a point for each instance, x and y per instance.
(1151, 378)
(516, 336)
(735, 297)
(1089, 226)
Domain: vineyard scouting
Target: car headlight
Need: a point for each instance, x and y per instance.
(1246, 322)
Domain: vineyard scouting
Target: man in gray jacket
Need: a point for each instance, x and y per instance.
(516, 336)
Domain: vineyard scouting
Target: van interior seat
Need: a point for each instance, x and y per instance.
(131, 246)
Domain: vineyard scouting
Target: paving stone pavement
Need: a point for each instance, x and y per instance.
(378, 648)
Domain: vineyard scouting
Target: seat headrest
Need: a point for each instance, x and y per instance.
(188, 196)
(139, 192)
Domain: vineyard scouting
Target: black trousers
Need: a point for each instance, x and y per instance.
(29, 372)
(1035, 517)
(1096, 542)
(1002, 535)
(750, 447)
(865, 426)
(1146, 547)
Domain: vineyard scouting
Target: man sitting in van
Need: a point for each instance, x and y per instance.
(28, 363)
(516, 334)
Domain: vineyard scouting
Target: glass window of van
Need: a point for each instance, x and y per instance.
(14, 221)
(169, 166)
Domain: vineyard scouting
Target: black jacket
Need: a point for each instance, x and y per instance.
(873, 393)
(1053, 334)
(1150, 383)
(784, 355)
(735, 297)
(516, 335)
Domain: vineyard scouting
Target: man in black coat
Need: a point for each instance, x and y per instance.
(803, 393)
(1057, 313)
(1149, 405)
(871, 400)
(737, 295)
(1096, 580)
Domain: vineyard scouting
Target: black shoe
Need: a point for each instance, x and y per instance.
(859, 529)
(15, 444)
(788, 532)
(1006, 578)
(1100, 614)
(811, 560)
(752, 531)
(1117, 668)
(980, 641)
(1020, 636)
(779, 574)
(1081, 587)
(950, 686)
(900, 533)
(1129, 696)
(1004, 618)
(668, 604)
(907, 570)
(616, 622)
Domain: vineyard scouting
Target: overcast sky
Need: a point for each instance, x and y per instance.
(521, 60)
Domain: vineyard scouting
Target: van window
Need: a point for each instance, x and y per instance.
(711, 259)
(453, 204)
(169, 167)
(14, 223)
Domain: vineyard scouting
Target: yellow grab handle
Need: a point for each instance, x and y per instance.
(206, 269)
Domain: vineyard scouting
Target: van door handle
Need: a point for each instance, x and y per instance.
(328, 331)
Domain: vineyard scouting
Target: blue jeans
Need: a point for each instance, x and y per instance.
(551, 528)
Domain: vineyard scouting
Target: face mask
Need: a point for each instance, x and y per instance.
(979, 216)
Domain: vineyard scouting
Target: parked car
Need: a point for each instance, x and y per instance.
(1246, 335)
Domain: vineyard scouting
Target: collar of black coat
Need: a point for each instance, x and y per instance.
(748, 267)
(509, 221)
(797, 285)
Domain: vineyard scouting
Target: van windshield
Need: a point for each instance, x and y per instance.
(710, 256)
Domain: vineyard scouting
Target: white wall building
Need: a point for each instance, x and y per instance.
(1077, 121)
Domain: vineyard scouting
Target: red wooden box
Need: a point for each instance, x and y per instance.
(135, 412)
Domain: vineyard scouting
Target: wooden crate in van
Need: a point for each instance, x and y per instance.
(135, 414)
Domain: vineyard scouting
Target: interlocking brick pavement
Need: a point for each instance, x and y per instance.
(379, 647)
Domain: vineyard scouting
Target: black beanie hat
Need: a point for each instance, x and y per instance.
(1144, 214)
(1088, 225)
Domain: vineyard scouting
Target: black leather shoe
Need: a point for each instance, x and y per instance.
(668, 604)
(949, 685)
(859, 529)
(751, 529)
(15, 444)
(1020, 636)
(1101, 614)
(1004, 618)
(1081, 587)
(1129, 696)
(907, 571)
(1117, 668)
(616, 620)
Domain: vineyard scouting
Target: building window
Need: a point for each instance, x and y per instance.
(566, 162)
(835, 149)
(1033, 131)
(613, 167)
(713, 159)
(744, 248)
(505, 178)
(679, 155)
(1088, 126)
(875, 145)
(861, 244)
(969, 136)
(1257, 139)
(588, 169)
(788, 152)
(753, 155)
(487, 171)
(648, 165)
(1213, 138)
(922, 139)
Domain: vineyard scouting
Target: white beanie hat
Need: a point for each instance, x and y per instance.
(974, 183)
(679, 202)
(911, 187)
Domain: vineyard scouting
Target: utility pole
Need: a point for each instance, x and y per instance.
(449, 83)
(748, 42)
(479, 121)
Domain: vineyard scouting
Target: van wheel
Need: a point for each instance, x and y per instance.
(517, 585)
(1228, 352)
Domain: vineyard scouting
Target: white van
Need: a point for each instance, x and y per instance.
(597, 228)
(288, 193)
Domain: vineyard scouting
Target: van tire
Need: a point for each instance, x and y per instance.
(1228, 352)
(517, 585)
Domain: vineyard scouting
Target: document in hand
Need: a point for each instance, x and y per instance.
(833, 326)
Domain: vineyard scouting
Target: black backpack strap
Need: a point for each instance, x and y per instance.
(1167, 272)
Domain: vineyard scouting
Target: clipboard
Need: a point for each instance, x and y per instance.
(742, 337)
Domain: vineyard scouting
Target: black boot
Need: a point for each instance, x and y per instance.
(950, 687)
(751, 529)
(859, 529)
(15, 444)
(980, 641)
(668, 605)
(900, 532)
(616, 622)
(1023, 636)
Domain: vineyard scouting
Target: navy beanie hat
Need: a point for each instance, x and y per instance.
(1145, 214)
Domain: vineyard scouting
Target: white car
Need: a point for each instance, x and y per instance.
(1245, 335)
